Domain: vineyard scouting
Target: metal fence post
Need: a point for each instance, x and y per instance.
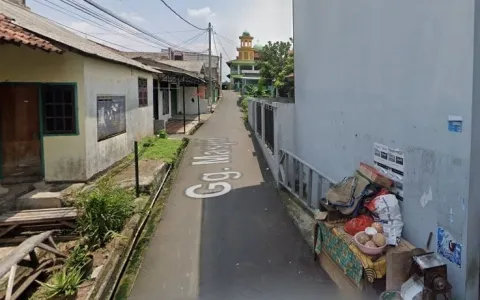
(137, 176)
(263, 121)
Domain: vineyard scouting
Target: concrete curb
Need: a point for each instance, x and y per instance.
(104, 285)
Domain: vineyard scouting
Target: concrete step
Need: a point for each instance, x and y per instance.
(38, 199)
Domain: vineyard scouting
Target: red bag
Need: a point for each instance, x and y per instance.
(370, 205)
(358, 224)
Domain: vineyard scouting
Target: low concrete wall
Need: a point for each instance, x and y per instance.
(283, 114)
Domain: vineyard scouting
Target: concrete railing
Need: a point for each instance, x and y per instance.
(291, 172)
(272, 123)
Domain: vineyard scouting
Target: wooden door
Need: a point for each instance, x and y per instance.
(20, 131)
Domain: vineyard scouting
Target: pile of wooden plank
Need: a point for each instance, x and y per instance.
(16, 226)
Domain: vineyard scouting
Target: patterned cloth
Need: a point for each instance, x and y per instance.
(354, 263)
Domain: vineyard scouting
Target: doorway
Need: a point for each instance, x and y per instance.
(20, 145)
(174, 91)
(156, 90)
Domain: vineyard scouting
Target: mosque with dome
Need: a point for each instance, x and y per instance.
(243, 71)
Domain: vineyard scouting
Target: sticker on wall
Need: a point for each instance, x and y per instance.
(391, 162)
(455, 124)
(448, 247)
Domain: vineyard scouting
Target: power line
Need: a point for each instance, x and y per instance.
(93, 23)
(221, 45)
(93, 36)
(134, 11)
(113, 15)
(102, 18)
(226, 39)
(160, 32)
(130, 33)
(178, 15)
(193, 39)
(215, 43)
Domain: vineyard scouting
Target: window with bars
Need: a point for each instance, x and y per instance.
(59, 113)
(142, 92)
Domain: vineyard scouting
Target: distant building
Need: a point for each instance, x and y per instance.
(242, 70)
(195, 56)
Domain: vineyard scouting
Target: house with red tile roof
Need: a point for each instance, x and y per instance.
(69, 108)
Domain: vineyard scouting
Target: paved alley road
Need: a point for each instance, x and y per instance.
(238, 242)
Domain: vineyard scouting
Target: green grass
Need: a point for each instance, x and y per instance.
(162, 149)
(156, 148)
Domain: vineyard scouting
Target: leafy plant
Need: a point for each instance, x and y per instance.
(276, 63)
(104, 212)
(163, 134)
(78, 258)
(64, 283)
(256, 91)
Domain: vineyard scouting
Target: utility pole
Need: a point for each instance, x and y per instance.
(210, 86)
(220, 79)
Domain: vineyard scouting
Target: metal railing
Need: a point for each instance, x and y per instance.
(259, 118)
(269, 127)
(302, 180)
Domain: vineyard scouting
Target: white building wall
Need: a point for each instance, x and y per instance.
(392, 72)
(191, 101)
(104, 78)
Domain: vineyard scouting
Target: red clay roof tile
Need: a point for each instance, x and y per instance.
(10, 32)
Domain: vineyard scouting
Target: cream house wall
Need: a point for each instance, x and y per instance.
(105, 78)
(63, 155)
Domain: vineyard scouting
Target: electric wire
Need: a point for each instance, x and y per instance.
(112, 23)
(215, 43)
(136, 34)
(223, 48)
(124, 21)
(193, 39)
(132, 9)
(93, 23)
(93, 36)
(226, 39)
(178, 15)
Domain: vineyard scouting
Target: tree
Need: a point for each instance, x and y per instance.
(276, 63)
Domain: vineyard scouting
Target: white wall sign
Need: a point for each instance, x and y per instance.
(391, 162)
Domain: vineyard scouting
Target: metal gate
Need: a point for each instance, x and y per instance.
(259, 118)
(269, 127)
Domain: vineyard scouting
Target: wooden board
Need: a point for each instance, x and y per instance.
(19, 239)
(398, 268)
(21, 251)
(38, 216)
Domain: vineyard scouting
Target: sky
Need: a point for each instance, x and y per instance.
(266, 20)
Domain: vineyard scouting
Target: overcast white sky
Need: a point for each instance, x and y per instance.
(266, 20)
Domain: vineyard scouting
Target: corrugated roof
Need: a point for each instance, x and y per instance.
(191, 66)
(49, 30)
(150, 55)
(166, 68)
(12, 33)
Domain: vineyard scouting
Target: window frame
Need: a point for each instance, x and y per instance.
(44, 103)
(112, 99)
(142, 92)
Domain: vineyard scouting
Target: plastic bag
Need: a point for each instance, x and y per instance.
(387, 211)
(358, 224)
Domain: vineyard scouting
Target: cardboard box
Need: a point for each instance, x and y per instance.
(374, 176)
